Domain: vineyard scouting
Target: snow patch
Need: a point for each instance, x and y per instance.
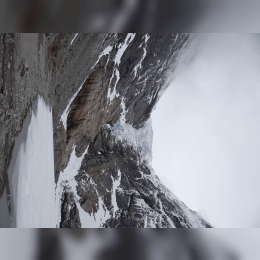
(121, 49)
(116, 184)
(112, 94)
(76, 34)
(139, 65)
(66, 111)
(106, 51)
(123, 46)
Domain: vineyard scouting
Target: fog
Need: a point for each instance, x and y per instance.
(206, 130)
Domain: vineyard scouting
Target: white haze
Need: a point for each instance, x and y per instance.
(206, 130)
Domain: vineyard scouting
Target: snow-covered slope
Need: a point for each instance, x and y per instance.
(31, 172)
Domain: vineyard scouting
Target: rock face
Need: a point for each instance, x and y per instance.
(102, 89)
(128, 76)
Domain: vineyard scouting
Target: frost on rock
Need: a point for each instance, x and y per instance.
(141, 139)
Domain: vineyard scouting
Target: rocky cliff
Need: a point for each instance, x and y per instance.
(102, 89)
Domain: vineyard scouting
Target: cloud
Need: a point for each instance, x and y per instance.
(211, 113)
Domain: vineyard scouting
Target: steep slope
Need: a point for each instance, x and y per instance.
(102, 89)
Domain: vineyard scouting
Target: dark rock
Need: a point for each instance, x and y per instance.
(69, 211)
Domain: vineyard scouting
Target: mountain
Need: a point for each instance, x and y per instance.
(102, 89)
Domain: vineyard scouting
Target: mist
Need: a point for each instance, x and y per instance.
(206, 130)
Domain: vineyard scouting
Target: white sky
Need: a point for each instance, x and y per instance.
(206, 146)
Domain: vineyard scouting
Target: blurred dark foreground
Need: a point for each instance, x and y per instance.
(152, 244)
(98, 15)
(129, 16)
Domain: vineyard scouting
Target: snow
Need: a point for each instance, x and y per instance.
(31, 171)
(141, 139)
(66, 111)
(123, 46)
(113, 94)
(121, 49)
(106, 51)
(76, 34)
(116, 183)
(139, 65)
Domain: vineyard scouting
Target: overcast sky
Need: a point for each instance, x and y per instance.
(206, 146)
